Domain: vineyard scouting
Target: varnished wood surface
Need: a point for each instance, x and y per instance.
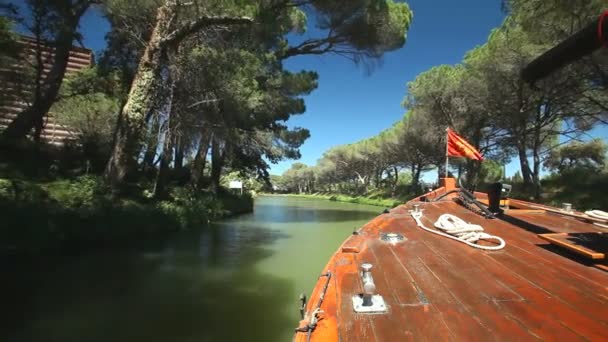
(592, 245)
(439, 289)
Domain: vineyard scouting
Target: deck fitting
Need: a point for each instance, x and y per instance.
(392, 238)
(377, 306)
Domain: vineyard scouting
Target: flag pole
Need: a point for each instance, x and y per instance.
(447, 141)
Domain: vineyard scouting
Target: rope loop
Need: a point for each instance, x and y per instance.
(455, 228)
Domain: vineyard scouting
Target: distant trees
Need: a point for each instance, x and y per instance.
(486, 101)
(392, 160)
(590, 156)
(298, 179)
(188, 91)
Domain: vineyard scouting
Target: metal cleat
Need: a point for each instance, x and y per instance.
(368, 301)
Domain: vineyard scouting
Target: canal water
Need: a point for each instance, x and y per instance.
(237, 280)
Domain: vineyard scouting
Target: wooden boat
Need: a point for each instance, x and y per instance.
(549, 282)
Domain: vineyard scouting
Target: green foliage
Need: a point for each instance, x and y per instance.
(517, 178)
(9, 48)
(578, 155)
(584, 188)
(77, 215)
(51, 23)
(250, 181)
(485, 101)
(297, 20)
(233, 86)
(234, 203)
(491, 171)
(229, 93)
(93, 116)
(373, 167)
(84, 191)
(362, 28)
(89, 106)
(405, 178)
(552, 20)
(386, 203)
(299, 178)
(22, 191)
(9, 55)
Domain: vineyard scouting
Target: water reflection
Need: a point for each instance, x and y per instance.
(236, 280)
(302, 214)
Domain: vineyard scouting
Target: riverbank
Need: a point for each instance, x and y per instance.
(76, 215)
(238, 270)
(387, 203)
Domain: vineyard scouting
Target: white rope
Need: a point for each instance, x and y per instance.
(597, 214)
(457, 229)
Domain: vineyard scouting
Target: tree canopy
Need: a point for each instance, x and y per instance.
(485, 100)
(186, 91)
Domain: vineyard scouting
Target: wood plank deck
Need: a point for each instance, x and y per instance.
(592, 245)
(440, 289)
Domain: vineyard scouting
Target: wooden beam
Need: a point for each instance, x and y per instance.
(558, 239)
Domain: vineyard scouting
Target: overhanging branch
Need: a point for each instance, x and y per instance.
(315, 46)
(200, 23)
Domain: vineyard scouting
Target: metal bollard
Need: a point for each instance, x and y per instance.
(369, 288)
(368, 301)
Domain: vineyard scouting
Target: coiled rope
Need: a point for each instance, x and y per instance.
(457, 229)
(597, 214)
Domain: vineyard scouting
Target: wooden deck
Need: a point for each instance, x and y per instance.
(440, 289)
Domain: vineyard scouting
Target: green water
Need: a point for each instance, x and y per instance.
(238, 280)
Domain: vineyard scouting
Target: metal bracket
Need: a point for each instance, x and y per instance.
(377, 306)
(392, 238)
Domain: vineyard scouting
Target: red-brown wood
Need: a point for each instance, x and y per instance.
(440, 289)
(592, 245)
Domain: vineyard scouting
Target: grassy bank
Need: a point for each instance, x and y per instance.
(584, 189)
(78, 214)
(386, 203)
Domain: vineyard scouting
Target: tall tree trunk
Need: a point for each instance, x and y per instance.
(536, 174)
(39, 123)
(200, 159)
(162, 179)
(152, 145)
(473, 168)
(33, 116)
(395, 180)
(524, 164)
(536, 159)
(377, 177)
(150, 85)
(163, 176)
(522, 136)
(416, 170)
(217, 161)
(179, 153)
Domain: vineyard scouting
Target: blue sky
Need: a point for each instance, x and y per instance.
(351, 104)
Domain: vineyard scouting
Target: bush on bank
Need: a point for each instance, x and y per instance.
(387, 203)
(78, 214)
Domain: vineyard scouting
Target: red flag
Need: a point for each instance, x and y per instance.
(458, 147)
